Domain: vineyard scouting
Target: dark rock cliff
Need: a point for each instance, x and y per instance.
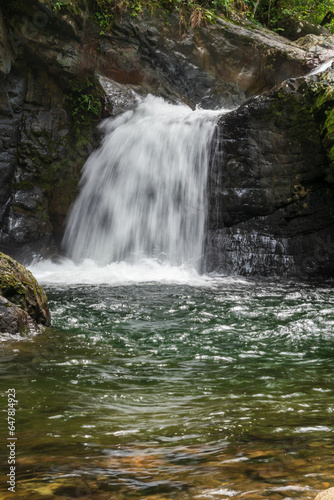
(59, 76)
(270, 188)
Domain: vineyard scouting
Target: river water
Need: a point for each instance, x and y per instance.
(175, 387)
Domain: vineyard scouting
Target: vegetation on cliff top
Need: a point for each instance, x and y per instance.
(84, 100)
(193, 13)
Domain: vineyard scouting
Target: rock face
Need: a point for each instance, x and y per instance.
(59, 76)
(23, 302)
(270, 188)
(219, 64)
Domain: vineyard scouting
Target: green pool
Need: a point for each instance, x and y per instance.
(221, 388)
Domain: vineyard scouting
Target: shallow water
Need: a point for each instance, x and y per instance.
(196, 388)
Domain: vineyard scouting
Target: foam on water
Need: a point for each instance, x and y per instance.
(115, 273)
(88, 272)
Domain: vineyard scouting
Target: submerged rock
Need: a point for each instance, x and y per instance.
(23, 302)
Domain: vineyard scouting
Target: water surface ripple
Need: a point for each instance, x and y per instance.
(164, 391)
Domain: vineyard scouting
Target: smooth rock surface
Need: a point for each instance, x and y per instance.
(326, 495)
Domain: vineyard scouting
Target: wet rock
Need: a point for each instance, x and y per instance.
(212, 66)
(119, 97)
(38, 185)
(319, 48)
(270, 185)
(20, 292)
(326, 495)
(6, 55)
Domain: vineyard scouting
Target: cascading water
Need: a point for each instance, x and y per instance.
(322, 67)
(143, 192)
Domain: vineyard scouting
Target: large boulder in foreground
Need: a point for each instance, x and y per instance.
(23, 302)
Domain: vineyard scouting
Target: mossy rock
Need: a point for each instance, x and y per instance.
(323, 95)
(19, 286)
(306, 108)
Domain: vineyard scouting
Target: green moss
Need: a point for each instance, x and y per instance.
(10, 286)
(18, 285)
(324, 96)
(22, 185)
(327, 133)
(291, 111)
(84, 100)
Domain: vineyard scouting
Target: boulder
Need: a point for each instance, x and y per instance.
(23, 301)
(319, 47)
(271, 183)
(326, 495)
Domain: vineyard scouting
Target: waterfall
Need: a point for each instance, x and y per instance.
(143, 192)
(322, 67)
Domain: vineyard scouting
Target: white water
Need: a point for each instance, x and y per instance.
(89, 272)
(68, 273)
(140, 214)
(143, 192)
(322, 67)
